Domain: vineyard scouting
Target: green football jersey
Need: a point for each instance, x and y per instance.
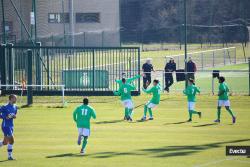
(156, 91)
(128, 80)
(191, 92)
(82, 116)
(223, 91)
(125, 91)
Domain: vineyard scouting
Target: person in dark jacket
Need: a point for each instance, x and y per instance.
(191, 69)
(147, 68)
(169, 69)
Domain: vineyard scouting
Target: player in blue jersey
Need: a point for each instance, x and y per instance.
(7, 114)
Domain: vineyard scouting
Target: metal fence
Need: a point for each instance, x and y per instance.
(82, 70)
(237, 80)
(208, 58)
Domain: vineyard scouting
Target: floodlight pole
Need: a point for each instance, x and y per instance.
(185, 33)
(35, 27)
(3, 27)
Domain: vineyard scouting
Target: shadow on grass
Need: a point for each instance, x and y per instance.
(4, 161)
(65, 155)
(161, 152)
(203, 125)
(169, 151)
(176, 123)
(109, 122)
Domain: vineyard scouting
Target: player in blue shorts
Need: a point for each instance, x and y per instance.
(7, 114)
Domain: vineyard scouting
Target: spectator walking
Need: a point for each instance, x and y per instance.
(191, 69)
(147, 68)
(169, 69)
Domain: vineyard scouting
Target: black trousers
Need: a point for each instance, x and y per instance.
(169, 80)
(146, 79)
(191, 75)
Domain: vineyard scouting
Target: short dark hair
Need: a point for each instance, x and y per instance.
(222, 79)
(12, 96)
(85, 101)
(123, 80)
(156, 81)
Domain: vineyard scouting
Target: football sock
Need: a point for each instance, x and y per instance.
(130, 112)
(9, 149)
(145, 110)
(150, 112)
(194, 112)
(230, 112)
(126, 112)
(84, 143)
(190, 114)
(218, 113)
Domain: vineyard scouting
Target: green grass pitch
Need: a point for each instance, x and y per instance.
(47, 136)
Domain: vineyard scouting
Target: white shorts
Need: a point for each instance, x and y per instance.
(223, 103)
(151, 105)
(191, 105)
(84, 131)
(128, 104)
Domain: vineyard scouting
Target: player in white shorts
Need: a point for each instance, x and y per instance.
(223, 100)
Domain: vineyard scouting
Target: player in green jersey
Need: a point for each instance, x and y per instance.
(224, 100)
(128, 81)
(191, 92)
(156, 91)
(125, 93)
(82, 116)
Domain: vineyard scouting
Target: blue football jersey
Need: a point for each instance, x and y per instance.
(5, 111)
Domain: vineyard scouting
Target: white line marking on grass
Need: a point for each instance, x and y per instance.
(214, 162)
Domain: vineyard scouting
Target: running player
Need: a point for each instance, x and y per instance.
(8, 113)
(125, 93)
(224, 100)
(191, 92)
(82, 116)
(156, 91)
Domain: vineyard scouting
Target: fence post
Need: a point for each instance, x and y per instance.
(224, 57)
(3, 65)
(202, 61)
(10, 64)
(93, 77)
(29, 77)
(235, 58)
(178, 60)
(213, 59)
(249, 75)
(139, 71)
(38, 65)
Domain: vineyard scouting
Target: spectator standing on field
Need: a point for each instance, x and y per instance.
(191, 68)
(169, 69)
(147, 68)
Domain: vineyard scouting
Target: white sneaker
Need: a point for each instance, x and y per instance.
(82, 152)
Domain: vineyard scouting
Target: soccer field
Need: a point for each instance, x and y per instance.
(47, 136)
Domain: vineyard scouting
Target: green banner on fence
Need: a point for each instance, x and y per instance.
(78, 79)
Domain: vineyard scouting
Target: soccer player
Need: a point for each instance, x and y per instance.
(191, 92)
(82, 116)
(224, 100)
(156, 91)
(8, 113)
(125, 93)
